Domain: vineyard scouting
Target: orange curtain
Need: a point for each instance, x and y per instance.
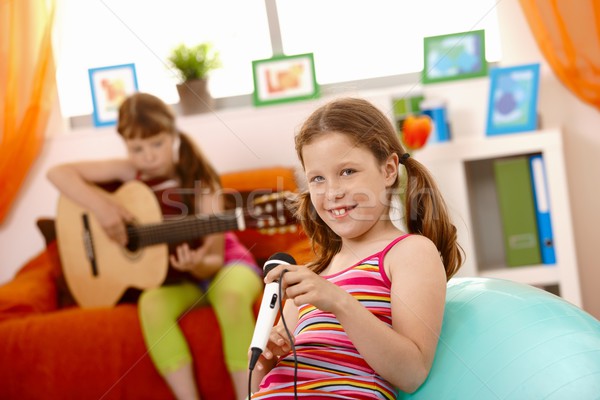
(568, 34)
(27, 90)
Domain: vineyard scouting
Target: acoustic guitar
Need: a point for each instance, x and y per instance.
(98, 270)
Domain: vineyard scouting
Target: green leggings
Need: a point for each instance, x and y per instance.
(231, 293)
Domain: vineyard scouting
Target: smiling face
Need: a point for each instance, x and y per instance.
(347, 185)
(152, 156)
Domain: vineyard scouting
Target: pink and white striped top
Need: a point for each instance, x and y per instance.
(329, 365)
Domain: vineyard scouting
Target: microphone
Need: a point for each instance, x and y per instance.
(268, 310)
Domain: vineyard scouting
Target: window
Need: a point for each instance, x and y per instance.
(351, 39)
(91, 34)
(358, 39)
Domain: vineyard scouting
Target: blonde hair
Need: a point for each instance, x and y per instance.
(143, 115)
(425, 210)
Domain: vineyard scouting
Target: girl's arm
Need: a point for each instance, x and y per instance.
(75, 181)
(205, 261)
(402, 355)
(278, 345)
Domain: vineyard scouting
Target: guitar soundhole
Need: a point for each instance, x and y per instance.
(133, 240)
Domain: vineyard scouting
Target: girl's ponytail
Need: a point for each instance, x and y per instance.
(426, 213)
(193, 167)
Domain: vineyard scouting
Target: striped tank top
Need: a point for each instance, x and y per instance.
(329, 366)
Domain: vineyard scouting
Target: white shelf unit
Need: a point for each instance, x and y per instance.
(463, 169)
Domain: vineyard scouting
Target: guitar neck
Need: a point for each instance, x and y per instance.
(181, 230)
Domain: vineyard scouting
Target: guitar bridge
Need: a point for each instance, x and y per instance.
(88, 243)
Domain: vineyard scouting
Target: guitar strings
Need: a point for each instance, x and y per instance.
(172, 231)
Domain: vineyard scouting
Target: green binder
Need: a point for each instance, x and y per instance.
(517, 210)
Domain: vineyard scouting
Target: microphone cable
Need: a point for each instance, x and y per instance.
(291, 339)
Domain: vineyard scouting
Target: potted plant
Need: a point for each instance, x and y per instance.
(193, 65)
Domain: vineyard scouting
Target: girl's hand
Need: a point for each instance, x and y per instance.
(113, 218)
(303, 286)
(185, 259)
(277, 346)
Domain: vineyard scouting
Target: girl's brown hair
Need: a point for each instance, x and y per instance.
(425, 210)
(143, 115)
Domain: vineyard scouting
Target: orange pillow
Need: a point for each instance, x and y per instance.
(266, 180)
(33, 289)
(274, 178)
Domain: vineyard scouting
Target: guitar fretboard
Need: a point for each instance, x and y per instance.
(180, 230)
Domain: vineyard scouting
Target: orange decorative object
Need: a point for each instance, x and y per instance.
(416, 130)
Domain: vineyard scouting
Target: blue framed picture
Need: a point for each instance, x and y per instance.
(110, 86)
(513, 99)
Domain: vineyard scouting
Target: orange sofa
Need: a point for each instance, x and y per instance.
(52, 350)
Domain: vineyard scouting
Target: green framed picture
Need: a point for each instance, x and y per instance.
(284, 78)
(454, 56)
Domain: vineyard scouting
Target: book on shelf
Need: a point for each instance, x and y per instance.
(517, 210)
(542, 209)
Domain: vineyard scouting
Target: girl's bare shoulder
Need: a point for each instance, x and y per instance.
(415, 252)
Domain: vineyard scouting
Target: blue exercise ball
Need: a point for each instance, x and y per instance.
(507, 340)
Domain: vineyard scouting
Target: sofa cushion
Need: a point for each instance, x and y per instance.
(99, 353)
(263, 244)
(33, 290)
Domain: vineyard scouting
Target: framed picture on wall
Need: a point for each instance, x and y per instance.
(110, 86)
(513, 99)
(284, 78)
(454, 56)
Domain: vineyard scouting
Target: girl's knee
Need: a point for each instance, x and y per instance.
(154, 305)
(230, 301)
(151, 299)
(237, 281)
(230, 304)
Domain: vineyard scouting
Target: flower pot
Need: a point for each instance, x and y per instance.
(194, 97)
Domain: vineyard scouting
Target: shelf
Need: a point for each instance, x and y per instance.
(471, 149)
(463, 170)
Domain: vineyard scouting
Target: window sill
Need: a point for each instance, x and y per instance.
(238, 103)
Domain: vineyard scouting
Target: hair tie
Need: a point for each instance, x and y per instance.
(403, 158)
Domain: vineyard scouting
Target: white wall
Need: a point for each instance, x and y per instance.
(245, 138)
